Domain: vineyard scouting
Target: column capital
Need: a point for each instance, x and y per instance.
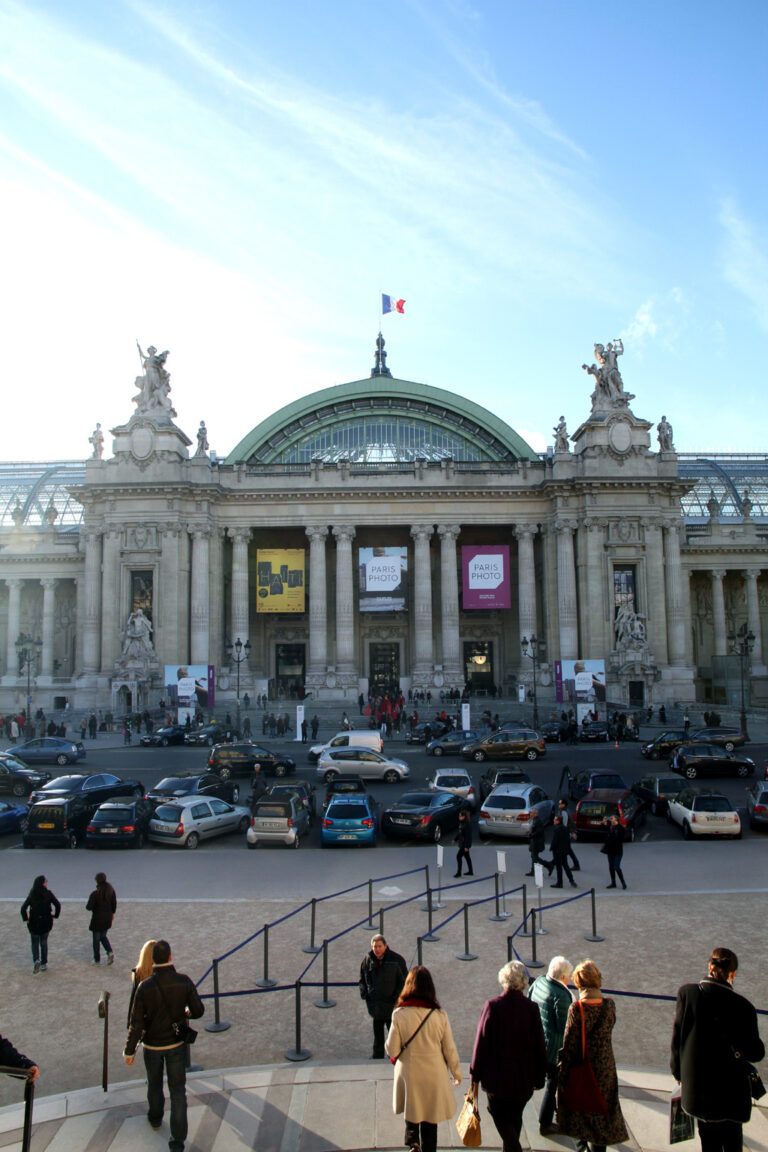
(718, 573)
(421, 531)
(199, 531)
(565, 527)
(169, 528)
(593, 524)
(751, 573)
(525, 531)
(448, 531)
(48, 581)
(92, 535)
(239, 535)
(673, 528)
(316, 533)
(344, 533)
(13, 581)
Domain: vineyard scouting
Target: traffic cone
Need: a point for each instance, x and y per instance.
(616, 745)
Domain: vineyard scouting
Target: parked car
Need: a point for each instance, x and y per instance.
(757, 804)
(344, 786)
(192, 784)
(162, 737)
(207, 736)
(579, 783)
(656, 789)
(94, 789)
(59, 821)
(728, 738)
(664, 744)
(184, 823)
(595, 730)
(17, 779)
(354, 738)
(451, 742)
(278, 820)
(422, 816)
(508, 809)
(13, 816)
(594, 811)
(48, 750)
(242, 757)
(419, 734)
(350, 820)
(363, 762)
(455, 780)
(304, 792)
(554, 731)
(495, 776)
(693, 760)
(119, 823)
(506, 744)
(699, 812)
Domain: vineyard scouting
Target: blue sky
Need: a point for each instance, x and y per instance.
(237, 182)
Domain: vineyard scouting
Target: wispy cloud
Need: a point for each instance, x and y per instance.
(745, 259)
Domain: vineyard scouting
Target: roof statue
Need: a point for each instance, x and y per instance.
(154, 386)
(202, 440)
(97, 443)
(665, 435)
(609, 387)
(561, 436)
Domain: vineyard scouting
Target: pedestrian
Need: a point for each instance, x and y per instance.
(39, 911)
(561, 843)
(14, 733)
(464, 842)
(83, 727)
(686, 722)
(420, 1044)
(315, 726)
(10, 1058)
(591, 1016)
(715, 1032)
(537, 843)
(509, 1059)
(614, 850)
(164, 1000)
(382, 975)
(142, 971)
(304, 731)
(102, 905)
(565, 816)
(92, 726)
(551, 994)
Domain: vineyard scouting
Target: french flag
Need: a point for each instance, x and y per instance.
(391, 304)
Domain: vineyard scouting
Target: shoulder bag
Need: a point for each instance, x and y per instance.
(581, 1092)
(181, 1029)
(468, 1123)
(394, 1059)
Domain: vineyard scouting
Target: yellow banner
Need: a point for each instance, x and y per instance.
(280, 579)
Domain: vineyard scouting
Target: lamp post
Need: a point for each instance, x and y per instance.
(239, 653)
(526, 643)
(742, 643)
(28, 650)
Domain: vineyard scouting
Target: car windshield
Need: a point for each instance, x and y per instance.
(669, 784)
(506, 802)
(608, 782)
(63, 783)
(281, 810)
(453, 782)
(713, 804)
(170, 812)
(107, 815)
(598, 810)
(347, 811)
(43, 815)
(345, 786)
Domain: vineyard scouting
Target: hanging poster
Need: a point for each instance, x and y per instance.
(485, 576)
(383, 579)
(280, 579)
(581, 684)
(189, 687)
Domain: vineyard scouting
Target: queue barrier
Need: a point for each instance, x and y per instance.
(29, 1102)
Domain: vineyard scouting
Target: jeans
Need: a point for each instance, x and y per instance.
(175, 1069)
(423, 1134)
(548, 1100)
(720, 1135)
(98, 939)
(39, 947)
(379, 1036)
(614, 867)
(560, 863)
(508, 1117)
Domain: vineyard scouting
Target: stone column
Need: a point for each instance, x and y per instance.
(676, 614)
(170, 614)
(49, 598)
(753, 620)
(656, 621)
(240, 622)
(596, 644)
(216, 597)
(345, 601)
(422, 607)
(566, 591)
(14, 626)
(111, 623)
(720, 647)
(526, 579)
(318, 606)
(449, 587)
(91, 630)
(199, 619)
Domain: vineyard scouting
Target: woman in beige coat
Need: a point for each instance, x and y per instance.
(420, 1045)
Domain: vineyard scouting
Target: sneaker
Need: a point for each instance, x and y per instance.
(36, 968)
(156, 1124)
(111, 958)
(43, 967)
(95, 961)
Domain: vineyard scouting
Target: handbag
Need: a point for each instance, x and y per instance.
(680, 1123)
(581, 1092)
(468, 1122)
(394, 1059)
(756, 1086)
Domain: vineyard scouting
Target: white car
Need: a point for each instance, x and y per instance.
(455, 780)
(185, 821)
(702, 813)
(507, 810)
(361, 762)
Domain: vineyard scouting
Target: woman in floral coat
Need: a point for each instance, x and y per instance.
(589, 1128)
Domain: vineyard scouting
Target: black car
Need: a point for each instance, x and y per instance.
(343, 786)
(60, 821)
(429, 730)
(554, 732)
(93, 789)
(16, 779)
(664, 744)
(656, 789)
(595, 730)
(240, 759)
(422, 816)
(693, 760)
(495, 776)
(193, 784)
(728, 738)
(162, 737)
(207, 736)
(452, 742)
(582, 782)
(119, 823)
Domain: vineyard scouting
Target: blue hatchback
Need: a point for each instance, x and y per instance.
(350, 820)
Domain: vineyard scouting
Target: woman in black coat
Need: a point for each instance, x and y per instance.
(714, 1026)
(464, 842)
(614, 850)
(102, 904)
(38, 912)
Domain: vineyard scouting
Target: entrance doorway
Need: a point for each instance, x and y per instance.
(478, 667)
(384, 674)
(636, 694)
(289, 666)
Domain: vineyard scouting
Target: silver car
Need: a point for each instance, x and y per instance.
(455, 780)
(278, 820)
(757, 804)
(507, 810)
(361, 762)
(186, 821)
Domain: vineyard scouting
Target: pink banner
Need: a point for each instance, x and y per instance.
(485, 575)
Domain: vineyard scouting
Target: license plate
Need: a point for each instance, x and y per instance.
(710, 820)
(46, 825)
(164, 828)
(400, 820)
(596, 823)
(110, 831)
(346, 836)
(267, 825)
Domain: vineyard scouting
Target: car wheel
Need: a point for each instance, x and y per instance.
(437, 751)
(687, 834)
(62, 759)
(479, 755)
(330, 776)
(255, 844)
(391, 777)
(192, 840)
(729, 746)
(242, 827)
(280, 770)
(655, 754)
(742, 770)
(531, 754)
(691, 772)
(18, 788)
(164, 742)
(225, 773)
(437, 833)
(72, 840)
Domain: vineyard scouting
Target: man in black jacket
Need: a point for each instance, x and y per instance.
(560, 846)
(537, 843)
(166, 998)
(382, 975)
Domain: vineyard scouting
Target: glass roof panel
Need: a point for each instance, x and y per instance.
(28, 491)
(738, 483)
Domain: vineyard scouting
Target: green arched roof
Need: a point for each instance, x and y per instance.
(381, 418)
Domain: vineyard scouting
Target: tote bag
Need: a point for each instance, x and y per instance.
(581, 1092)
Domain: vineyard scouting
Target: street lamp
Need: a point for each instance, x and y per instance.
(28, 651)
(525, 643)
(742, 643)
(239, 653)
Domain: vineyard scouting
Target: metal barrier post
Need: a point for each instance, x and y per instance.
(298, 1053)
(419, 951)
(266, 981)
(466, 954)
(497, 917)
(29, 1100)
(430, 936)
(426, 907)
(369, 926)
(312, 948)
(533, 962)
(381, 921)
(218, 1024)
(104, 1015)
(325, 1002)
(510, 949)
(594, 937)
(525, 930)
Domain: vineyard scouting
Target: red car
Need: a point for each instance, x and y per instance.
(594, 811)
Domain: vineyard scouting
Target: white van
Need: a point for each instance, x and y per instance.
(360, 738)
